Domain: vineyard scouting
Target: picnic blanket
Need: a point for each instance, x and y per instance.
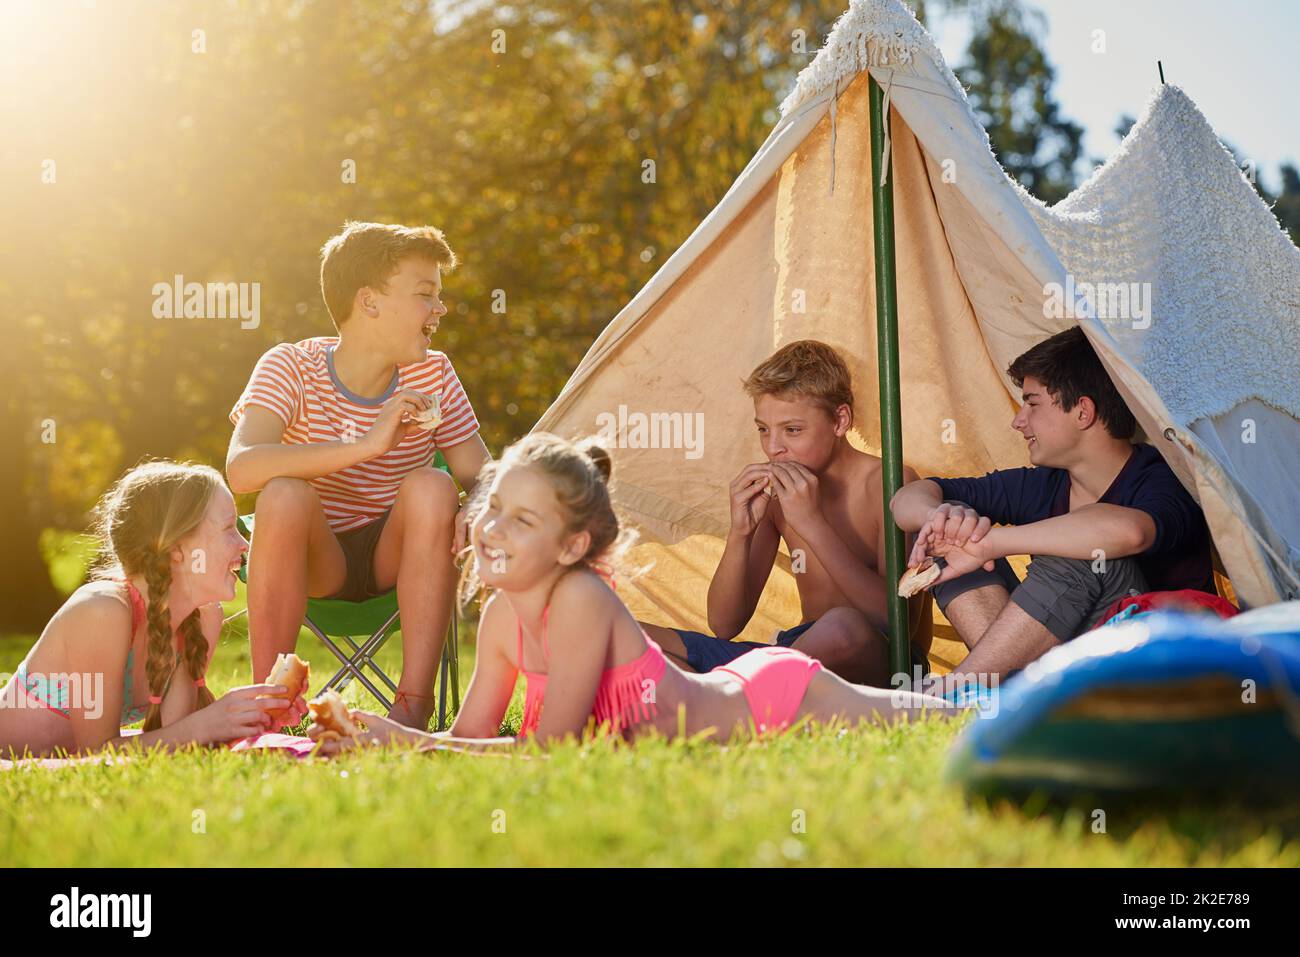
(295, 746)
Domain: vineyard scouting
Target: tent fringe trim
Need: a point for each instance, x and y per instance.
(869, 34)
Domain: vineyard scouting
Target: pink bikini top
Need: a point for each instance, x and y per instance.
(625, 694)
(138, 611)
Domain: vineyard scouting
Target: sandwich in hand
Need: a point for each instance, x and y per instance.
(291, 672)
(430, 418)
(329, 713)
(919, 577)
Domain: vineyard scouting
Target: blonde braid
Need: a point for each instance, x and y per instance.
(196, 654)
(158, 576)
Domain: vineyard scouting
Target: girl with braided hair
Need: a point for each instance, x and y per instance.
(134, 643)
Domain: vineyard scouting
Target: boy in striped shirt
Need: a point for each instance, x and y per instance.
(329, 432)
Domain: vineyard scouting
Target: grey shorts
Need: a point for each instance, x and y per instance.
(358, 546)
(1065, 595)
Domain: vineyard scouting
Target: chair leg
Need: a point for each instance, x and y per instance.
(455, 666)
(442, 691)
(352, 664)
(449, 673)
(348, 672)
(347, 678)
(362, 655)
(365, 653)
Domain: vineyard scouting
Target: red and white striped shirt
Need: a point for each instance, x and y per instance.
(296, 381)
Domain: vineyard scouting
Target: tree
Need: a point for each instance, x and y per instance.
(220, 155)
(1287, 206)
(1009, 83)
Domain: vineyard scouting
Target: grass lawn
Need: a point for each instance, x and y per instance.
(824, 797)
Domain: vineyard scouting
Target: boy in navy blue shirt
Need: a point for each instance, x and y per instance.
(1101, 517)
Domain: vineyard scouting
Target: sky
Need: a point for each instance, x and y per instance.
(1239, 61)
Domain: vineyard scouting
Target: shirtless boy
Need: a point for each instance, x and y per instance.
(824, 499)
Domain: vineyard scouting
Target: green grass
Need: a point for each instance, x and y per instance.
(865, 797)
(871, 797)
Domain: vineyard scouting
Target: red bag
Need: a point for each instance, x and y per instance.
(1188, 599)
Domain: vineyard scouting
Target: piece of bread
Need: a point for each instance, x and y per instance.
(329, 712)
(293, 673)
(918, 578)
(430, 418)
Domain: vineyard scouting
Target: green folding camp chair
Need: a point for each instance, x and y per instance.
(377, 617)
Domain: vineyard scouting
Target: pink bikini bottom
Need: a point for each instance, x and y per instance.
(775, 681)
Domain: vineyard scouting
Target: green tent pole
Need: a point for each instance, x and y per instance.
(891, 424)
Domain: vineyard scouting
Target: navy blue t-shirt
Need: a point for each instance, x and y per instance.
(1180, 555)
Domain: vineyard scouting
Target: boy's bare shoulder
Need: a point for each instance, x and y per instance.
(872, 470)
(867, 468)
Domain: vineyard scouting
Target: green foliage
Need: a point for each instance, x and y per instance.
(68, 556)
(227, 165)
(1287, 205)
(1009, 83)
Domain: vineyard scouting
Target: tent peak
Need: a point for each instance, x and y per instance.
(1166, 100)
(870, 33)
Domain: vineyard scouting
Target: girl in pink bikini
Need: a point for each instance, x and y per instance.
(134, 643)
(540, 535)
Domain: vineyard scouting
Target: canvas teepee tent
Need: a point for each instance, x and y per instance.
(1211, 370)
